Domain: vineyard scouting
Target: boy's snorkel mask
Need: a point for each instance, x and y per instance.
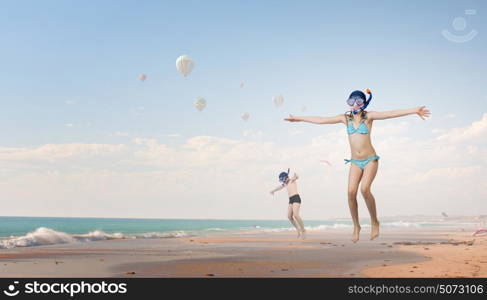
(283, 177)
(358, 97)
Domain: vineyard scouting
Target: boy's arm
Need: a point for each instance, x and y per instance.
(421, 111)
(317, 120)
(277, 189)
(295, 177)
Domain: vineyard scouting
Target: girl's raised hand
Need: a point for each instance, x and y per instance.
(423, 112)
(291, 118)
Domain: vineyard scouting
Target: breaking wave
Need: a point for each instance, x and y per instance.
(46, 236)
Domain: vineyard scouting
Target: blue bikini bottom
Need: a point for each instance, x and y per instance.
(362, 162)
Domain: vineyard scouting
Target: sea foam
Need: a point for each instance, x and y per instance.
(47, 236)
(41, 236)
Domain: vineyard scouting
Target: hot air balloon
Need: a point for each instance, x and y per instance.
(245, 116)
(200, 103)
(142, 77)
(242, 84)
(278, 100)
(184, 65)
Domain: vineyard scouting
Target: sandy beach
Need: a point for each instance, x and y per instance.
(462, 255)
(327, 253)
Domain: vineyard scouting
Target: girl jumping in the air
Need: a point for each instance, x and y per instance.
(364, 161)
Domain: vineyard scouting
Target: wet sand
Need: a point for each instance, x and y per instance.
(328, 253)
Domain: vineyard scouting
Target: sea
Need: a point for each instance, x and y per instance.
(38, 231)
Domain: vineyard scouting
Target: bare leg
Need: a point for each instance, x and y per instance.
(298, 219)
(354, 177)
(368, 177)
(291, 218)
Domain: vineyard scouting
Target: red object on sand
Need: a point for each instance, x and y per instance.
(480, 232)
(326, 162)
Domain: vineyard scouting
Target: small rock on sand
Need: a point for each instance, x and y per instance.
(209, 274)
(129, 273)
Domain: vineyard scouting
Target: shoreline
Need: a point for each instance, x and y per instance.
(327, 253)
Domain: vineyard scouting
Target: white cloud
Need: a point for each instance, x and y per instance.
(138, 111)
(52, 152)
(145, 141)
(253, 134)
(477, 130)
(390, 129)
(295, 131)
(209, 176)
(119, 133)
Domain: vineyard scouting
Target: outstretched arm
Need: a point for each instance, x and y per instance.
(277, 189)
(317, 120)
(421, 111)
(294, 178)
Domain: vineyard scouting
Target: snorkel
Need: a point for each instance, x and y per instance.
(283, 177)
(358, 97)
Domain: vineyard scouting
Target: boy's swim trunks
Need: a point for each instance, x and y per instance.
(294, 199)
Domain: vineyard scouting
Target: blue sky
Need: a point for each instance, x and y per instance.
(312, 52)
(77, 123)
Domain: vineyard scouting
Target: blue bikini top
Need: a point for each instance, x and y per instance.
(362, 128)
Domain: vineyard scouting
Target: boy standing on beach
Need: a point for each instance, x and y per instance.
(294, 201)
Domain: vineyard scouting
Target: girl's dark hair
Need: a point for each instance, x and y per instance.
(363, 115)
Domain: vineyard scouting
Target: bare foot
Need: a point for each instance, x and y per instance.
(374, 232)
(303, 235)
(356, 234)
(299, 234)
